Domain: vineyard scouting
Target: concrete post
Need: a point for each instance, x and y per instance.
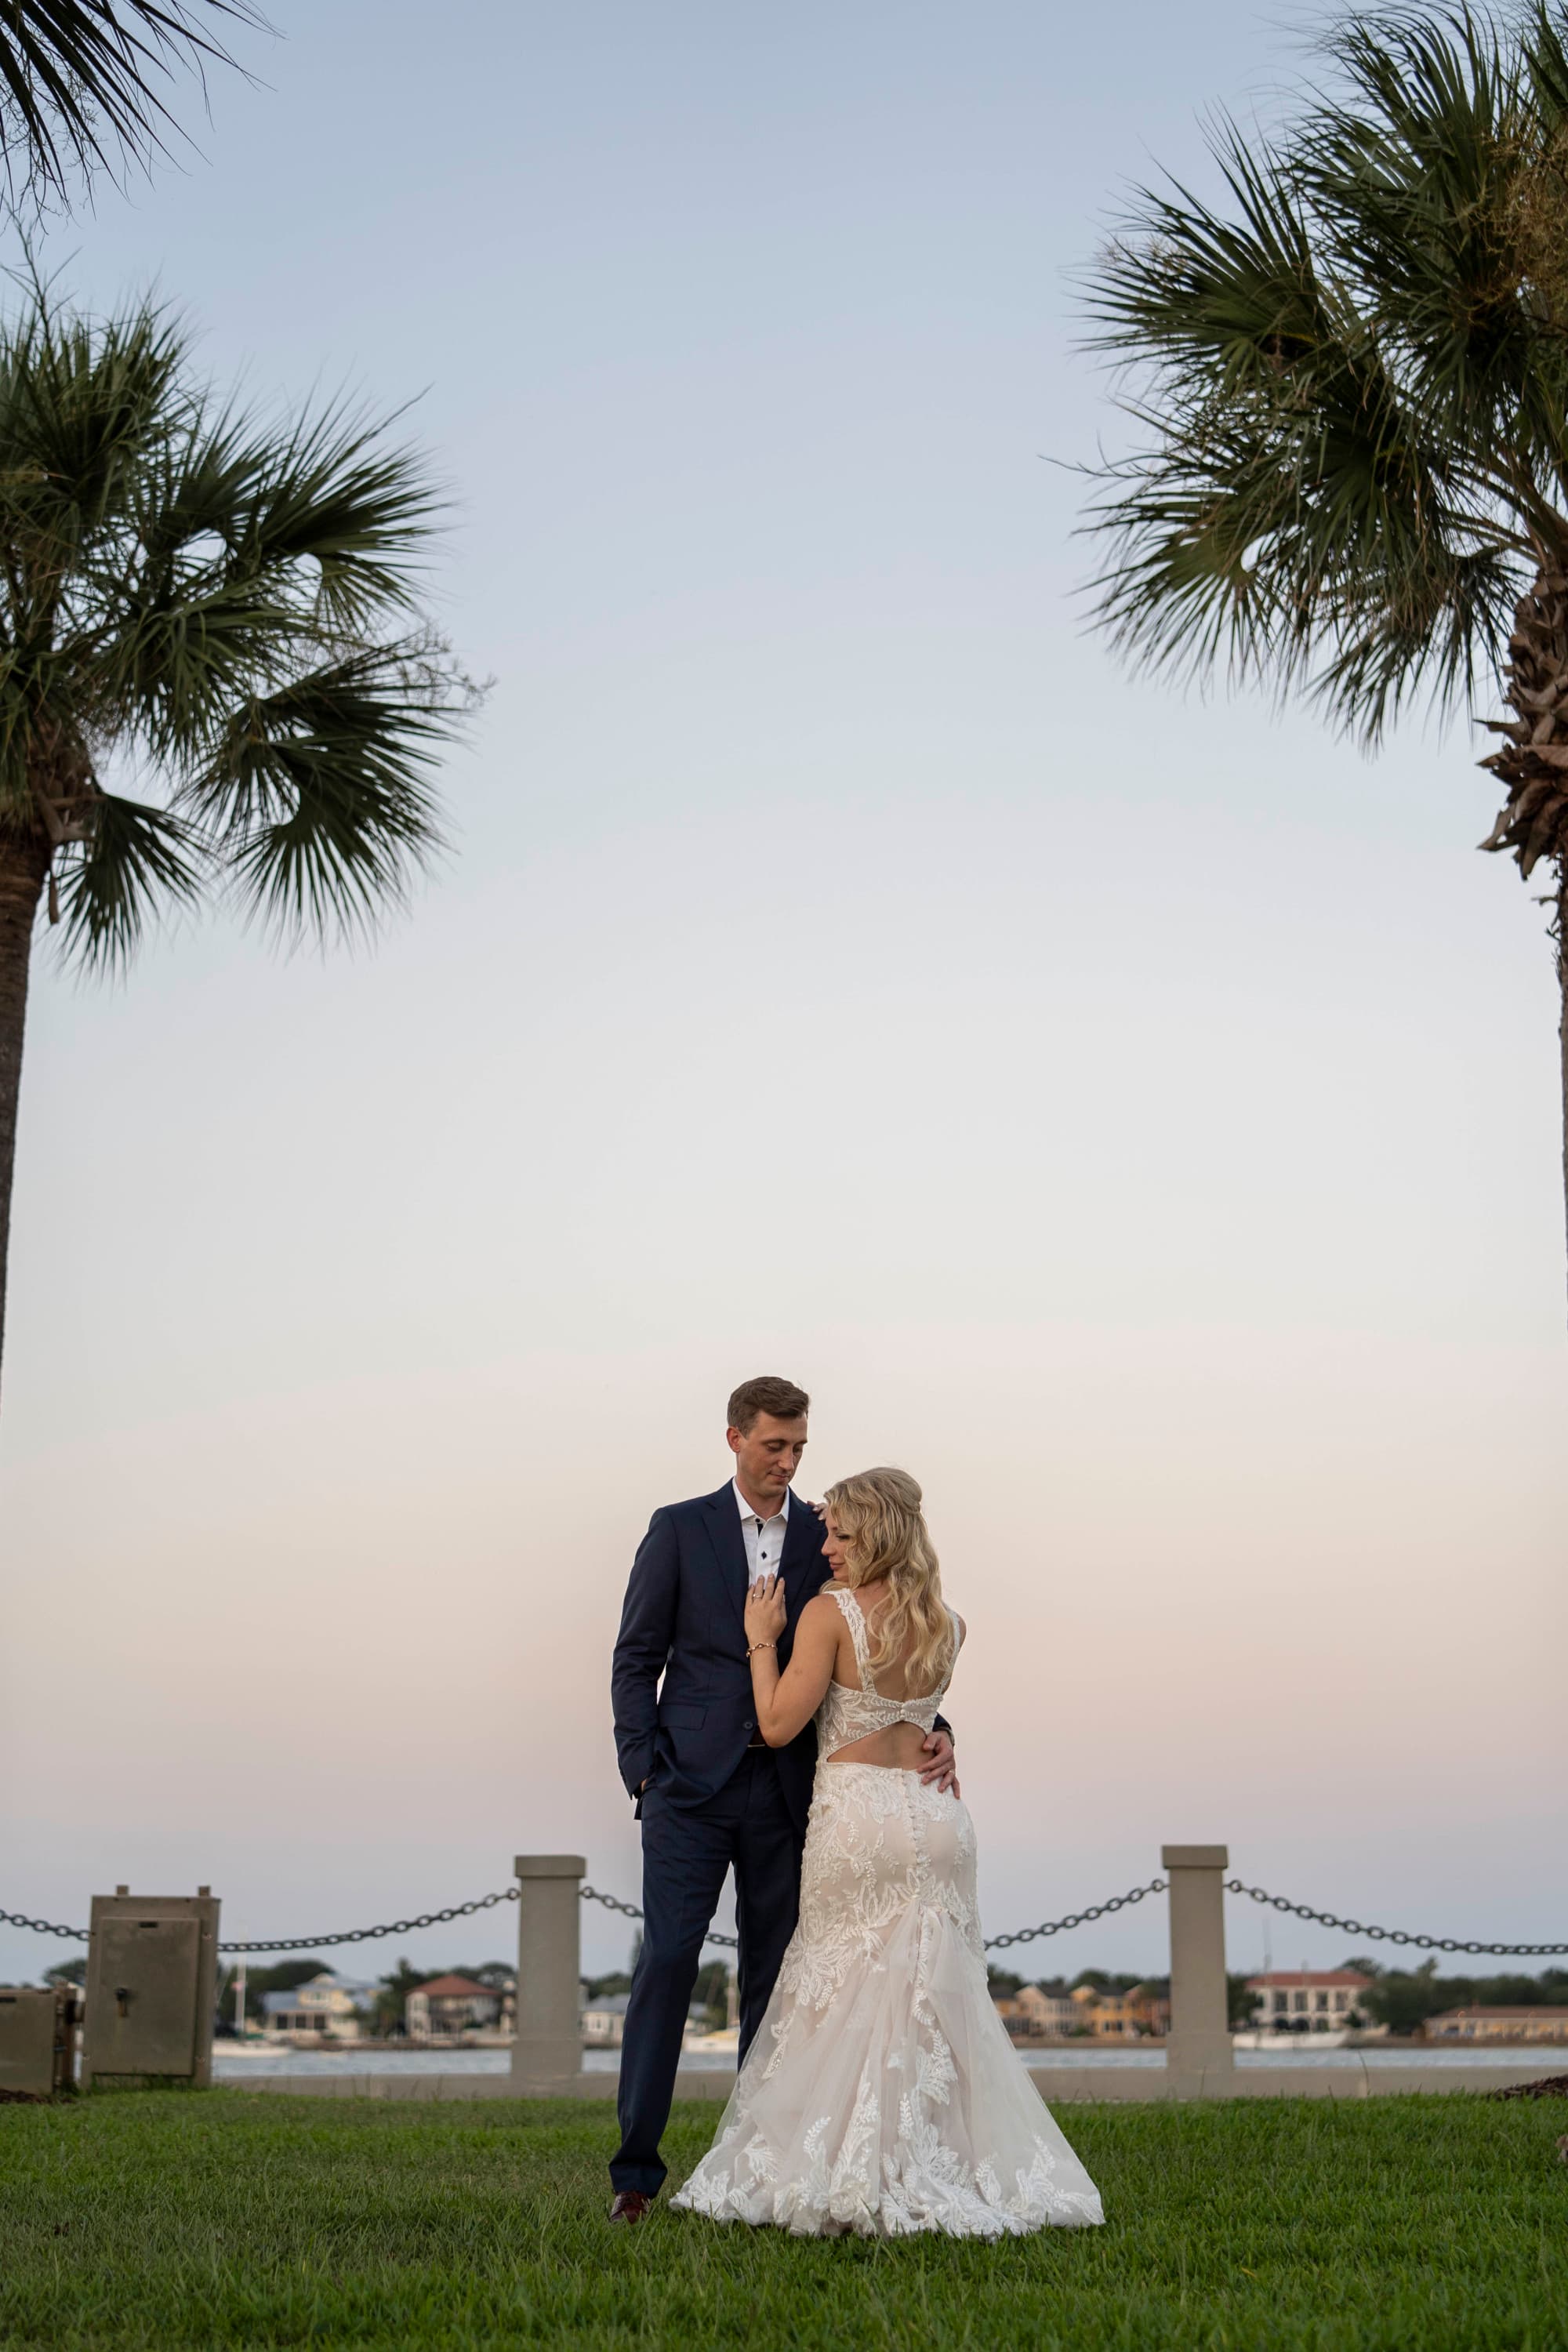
(547, 2055)
(1199, 2060)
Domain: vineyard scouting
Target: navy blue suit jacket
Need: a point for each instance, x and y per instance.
(684, 1619)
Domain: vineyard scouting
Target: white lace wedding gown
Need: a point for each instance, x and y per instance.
(882, 2095)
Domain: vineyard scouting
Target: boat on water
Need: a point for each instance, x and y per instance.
(1337, 2037)
(727, 2038)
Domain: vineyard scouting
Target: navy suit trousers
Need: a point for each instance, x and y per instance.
(687, 1849)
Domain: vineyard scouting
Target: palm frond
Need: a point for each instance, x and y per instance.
(1285, 486)
(1347, 390)
(228, 597)
(1185, 286)
(81, 82)
(317, 799)
(246, 544)
(1545, 63)
(175, 667)
(339, 497)
(1420, 173)
(135, 861)
(1436, 631)
(84, 406)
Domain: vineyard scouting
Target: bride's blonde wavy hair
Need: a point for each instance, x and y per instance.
(885, 1533)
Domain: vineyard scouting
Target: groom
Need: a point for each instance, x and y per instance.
(710, 1793)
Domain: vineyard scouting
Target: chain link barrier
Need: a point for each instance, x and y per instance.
(992, 1943)
(1396, 1935)
(370, 1935)
(303, 1943)
(1076, 1919)
(630, 1911)
(42, 1926)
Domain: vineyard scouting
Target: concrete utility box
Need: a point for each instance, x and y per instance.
(152, 1988)
(38, 2038)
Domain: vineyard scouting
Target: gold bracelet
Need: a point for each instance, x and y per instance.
(760, 1646)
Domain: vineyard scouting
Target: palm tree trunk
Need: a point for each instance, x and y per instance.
(23, 864)
(1563, 1018)
(1531, 764)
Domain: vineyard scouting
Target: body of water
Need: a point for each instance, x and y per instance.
(230, 2067)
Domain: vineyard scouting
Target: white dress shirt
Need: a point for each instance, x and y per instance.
(764, 1539)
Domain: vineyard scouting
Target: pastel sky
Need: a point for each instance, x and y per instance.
(1134, 1114)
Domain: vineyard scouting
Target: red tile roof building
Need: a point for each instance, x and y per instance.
(448, 2005)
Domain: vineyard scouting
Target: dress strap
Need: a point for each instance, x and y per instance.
(854, 1617)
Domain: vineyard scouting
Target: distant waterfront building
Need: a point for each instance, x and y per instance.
(448, 2005)
(1149, 2010)
(1499, 2024)
(1031, 2014)
(604, 2020)
(1138, 2013)
(1309, 2001)
(327, 2004)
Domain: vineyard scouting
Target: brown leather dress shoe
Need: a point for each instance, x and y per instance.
(629, 2205)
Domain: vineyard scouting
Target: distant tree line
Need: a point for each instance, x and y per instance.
(1006, 1986)
(606, 1988)
(1403, 1999)
(711, 1993)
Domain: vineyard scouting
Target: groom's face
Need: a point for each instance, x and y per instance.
(767, 1456)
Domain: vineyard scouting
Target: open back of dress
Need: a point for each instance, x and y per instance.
(847, 1715)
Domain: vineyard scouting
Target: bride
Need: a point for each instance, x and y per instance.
(882, 2095)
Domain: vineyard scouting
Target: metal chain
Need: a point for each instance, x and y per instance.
(992, 1943)
(1076, 1919)
(1396, 1935)
(302, 1943)
(630, 1911)
(370, 1935)
(42, 1926)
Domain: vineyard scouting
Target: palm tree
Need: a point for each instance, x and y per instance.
(79, 81)
(1349, 376)
(214, 675)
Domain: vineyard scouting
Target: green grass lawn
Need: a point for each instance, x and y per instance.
(177, 2219)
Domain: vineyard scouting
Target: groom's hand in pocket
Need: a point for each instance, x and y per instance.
(940, 1772)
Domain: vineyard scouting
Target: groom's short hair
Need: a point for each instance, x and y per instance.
(766, 1394)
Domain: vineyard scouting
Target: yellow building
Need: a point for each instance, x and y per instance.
(1502, 2024)
(1032, 2015)
(1122, 2016)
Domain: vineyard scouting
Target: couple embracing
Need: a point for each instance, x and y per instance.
(795, 1737)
